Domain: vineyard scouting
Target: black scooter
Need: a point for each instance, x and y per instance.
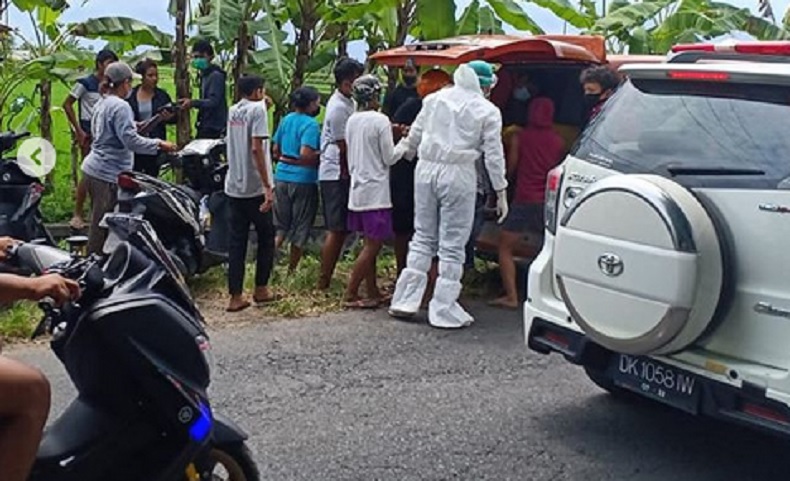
(204, 166)
(20, 197)
(135, 347)
(174, 213)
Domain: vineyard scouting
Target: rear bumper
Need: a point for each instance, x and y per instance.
(745, 405)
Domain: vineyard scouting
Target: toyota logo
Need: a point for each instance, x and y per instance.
(611, 265)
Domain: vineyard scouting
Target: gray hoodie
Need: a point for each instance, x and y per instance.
(115, 140)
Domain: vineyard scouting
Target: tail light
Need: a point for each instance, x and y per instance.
(553, 186)
(747, 48)
(698, 75)
(127, 182)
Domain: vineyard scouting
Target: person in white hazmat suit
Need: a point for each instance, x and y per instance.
(456, 126)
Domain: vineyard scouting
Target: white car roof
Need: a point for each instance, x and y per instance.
(752, 72)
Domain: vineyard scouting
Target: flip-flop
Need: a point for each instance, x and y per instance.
(240, 308)
(359, 304)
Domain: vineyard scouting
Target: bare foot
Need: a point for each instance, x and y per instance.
(324, 283)
(504, 303)
(77, 223)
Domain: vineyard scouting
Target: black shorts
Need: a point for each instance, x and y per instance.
(295, 208)
(334, 197)
(402, 193)
(524, 218)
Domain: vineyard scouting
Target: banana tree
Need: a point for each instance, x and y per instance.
(227, 23)
(653, 26)
(178, 10)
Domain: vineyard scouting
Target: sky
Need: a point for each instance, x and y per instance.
(155, 13)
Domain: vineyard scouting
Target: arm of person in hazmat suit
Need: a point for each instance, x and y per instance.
(408, 146)
(494, 157)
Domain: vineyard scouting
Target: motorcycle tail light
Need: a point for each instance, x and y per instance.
(127, 182)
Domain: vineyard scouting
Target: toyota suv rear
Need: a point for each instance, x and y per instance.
(666, 259)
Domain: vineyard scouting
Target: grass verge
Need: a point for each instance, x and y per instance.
(298, 294)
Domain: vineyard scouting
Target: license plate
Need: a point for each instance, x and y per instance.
(656, 380)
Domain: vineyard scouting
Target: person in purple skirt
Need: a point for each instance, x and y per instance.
(371, 153)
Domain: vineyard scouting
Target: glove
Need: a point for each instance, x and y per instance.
(502, 208)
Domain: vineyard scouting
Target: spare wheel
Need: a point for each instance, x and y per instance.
(639, 265)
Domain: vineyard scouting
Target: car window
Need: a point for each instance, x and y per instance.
(701, 133)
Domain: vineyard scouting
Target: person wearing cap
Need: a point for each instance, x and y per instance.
(115, 141)
(87, 92)
(456, 126)
(371, 153)
(403, 92)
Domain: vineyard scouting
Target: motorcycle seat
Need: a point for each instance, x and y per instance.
(80, 425)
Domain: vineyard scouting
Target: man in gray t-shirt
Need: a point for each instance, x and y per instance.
(248, 186)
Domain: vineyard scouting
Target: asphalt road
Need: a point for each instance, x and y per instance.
(361, 397)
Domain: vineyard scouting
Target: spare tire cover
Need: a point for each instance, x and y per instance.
(638, 264)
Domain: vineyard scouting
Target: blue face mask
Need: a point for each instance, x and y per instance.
(522, 94)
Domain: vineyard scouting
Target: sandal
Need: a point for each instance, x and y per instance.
(366, 304)
(238, 308)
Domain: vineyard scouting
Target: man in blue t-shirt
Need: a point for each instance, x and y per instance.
(297, 145)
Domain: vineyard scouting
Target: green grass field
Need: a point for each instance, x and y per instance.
(58, 203)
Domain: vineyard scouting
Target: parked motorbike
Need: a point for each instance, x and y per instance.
(20, 197)
(174, 213)
(136, 350)
(204, 166)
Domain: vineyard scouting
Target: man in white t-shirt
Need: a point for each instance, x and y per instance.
(333, 171)
(371, 153)
(248, 186)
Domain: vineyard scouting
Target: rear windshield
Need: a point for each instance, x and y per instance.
(700, 133)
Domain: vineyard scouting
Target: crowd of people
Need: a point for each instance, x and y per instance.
(415, 167)
(358, 166)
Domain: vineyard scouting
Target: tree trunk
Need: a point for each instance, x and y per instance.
(45, 121)
(240, 62)
(183, 90)
(304, 42)
(342, 42)
(406, 12)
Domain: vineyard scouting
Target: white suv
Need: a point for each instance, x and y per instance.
(666, 264)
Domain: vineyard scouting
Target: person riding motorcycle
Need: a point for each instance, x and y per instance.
(24, 391)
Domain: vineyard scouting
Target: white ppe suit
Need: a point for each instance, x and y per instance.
(456, 126)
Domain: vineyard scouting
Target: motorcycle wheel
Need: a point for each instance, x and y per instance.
(231, 462)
